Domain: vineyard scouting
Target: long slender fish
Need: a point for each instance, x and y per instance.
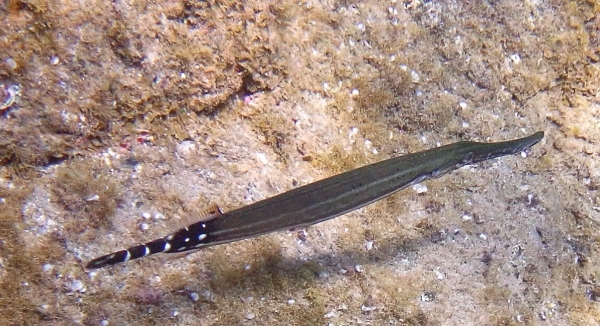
(322, 200)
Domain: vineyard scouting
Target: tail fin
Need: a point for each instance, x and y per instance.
(121, 256)
(188, 238)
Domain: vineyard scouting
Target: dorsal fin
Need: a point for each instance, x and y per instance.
(209, 213)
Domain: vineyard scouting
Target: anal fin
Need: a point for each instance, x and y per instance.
(164, 258)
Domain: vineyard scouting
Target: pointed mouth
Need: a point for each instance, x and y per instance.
(526, 142)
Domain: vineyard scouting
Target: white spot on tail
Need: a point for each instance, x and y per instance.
(170, 237)
(127, 257)
(201, 237)
(187, 240)
(203, 225)
(146, 251)
(167, 247)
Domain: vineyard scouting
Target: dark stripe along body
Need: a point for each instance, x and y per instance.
(324, 199)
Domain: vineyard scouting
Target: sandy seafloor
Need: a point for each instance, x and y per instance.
(134, 116)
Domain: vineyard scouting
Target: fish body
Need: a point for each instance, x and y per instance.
(322, 200)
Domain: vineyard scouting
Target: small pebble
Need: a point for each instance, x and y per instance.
(144, 226)
(291, 301)
(353, 132)
(54, 60)
(186, 149)
(47, 267)
(249, 316)
(463, 105)
(367, 308)
(330, 314)
(359, 268)
(104, 322)
(439, 275)
(427, 296)
(146, 215)
(195, 296)
(515, 57)
(262, 158)
(369, 245)
(414, 76)
(529, 199)
(77, 286)
(354, 92)
(208, 296)
(11, 63)
(94, 197)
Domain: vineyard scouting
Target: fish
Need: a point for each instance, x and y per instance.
(321, 200)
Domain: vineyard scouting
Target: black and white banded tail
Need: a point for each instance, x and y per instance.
(191, 237)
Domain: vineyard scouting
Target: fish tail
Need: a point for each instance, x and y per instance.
(121, 256)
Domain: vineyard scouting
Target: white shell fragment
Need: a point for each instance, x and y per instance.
(13, 92)
(419, 188)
